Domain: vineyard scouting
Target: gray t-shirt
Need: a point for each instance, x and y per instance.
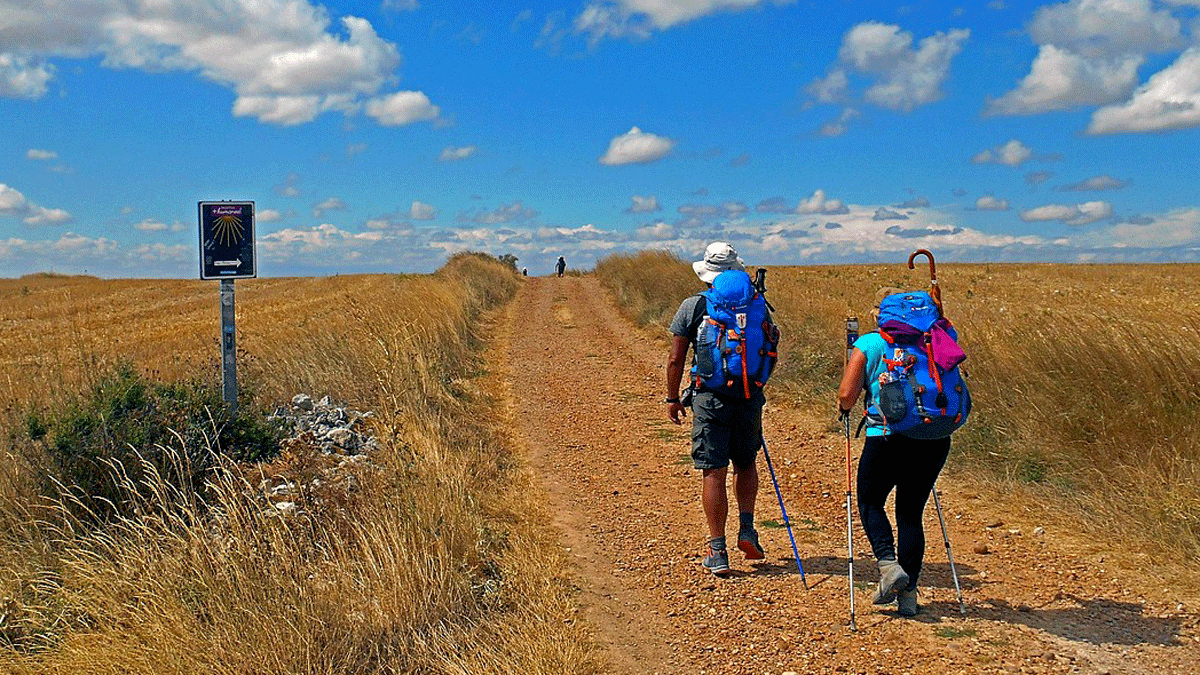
(686, 322)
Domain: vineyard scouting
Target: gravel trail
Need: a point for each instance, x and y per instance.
(586, 393)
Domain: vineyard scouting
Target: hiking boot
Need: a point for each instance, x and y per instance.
(907, 600)
(748, 542)
(892, 580)
(717, 561)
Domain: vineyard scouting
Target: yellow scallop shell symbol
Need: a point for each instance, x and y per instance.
(227, 230)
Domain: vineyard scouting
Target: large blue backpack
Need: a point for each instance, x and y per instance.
(922, 393)
(736, 343)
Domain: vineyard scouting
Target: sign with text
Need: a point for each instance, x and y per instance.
(227, 240)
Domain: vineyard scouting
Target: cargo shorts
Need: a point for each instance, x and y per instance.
(726, 429)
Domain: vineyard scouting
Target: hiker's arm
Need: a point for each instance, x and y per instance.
(853, 379)
(679, 347)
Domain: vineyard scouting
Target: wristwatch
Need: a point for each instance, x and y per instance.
(672, 399)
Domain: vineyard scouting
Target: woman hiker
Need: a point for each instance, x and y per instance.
(890, 461)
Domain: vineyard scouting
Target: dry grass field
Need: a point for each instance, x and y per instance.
(429, 560)
(1084, 377)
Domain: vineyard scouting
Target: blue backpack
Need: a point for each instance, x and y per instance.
(921, 394)
(736, 343)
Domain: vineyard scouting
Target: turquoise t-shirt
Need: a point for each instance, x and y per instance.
(874, 347)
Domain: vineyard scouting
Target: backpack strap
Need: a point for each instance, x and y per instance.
(698, 314)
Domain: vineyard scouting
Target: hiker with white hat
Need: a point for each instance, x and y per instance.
(726, 425)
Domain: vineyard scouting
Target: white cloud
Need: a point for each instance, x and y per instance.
(422, 211)
(839, 126)
(452, 154)
(905, 78)
(1089, 54)
(1180, 227)
(22, 77)
(151, 225)
(331, 204)
(402, 107)
(1080, 214)
(287, 61)
(643, 204)
(288, 187)
(884, 213)
(831, 88)
(14, 204)
(43, 216)
(1170, 99)
(308, 240)
(639, 18)
(990, 203)
(818, 203)
(77, 246)
(1101, 182)
(1012, 153)
(515, 212)
(1061, 80)
(658, 231)
(34, 153)
(162, 252)
(636, 147)
(1098, 28)
(267, 216)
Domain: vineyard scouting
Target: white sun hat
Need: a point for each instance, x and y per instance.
(718, 257)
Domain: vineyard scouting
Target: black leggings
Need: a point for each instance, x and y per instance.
(910, 466)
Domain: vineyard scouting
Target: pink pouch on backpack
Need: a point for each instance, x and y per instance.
(946, 352)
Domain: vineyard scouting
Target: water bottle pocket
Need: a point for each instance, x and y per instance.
(893, 404)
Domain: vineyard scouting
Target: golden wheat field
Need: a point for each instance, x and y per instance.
(1084, 377)
(393, 569)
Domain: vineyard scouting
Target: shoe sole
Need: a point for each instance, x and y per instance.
(752, 552)
(720, 572)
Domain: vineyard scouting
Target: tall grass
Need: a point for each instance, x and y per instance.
(424, 559)
(1083, 376)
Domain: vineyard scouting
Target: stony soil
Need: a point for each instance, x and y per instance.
(586, 393)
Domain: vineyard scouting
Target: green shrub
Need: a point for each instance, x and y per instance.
(99, 442)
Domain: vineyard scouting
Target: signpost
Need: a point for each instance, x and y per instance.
(227, 253)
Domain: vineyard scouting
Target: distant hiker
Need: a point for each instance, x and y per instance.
(560, 266)
(905, 448)
(725, 392)
(524, 271)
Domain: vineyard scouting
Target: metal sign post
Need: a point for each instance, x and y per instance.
(228, 347)
(227, 253)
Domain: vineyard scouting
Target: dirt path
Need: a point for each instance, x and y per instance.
(586, 393)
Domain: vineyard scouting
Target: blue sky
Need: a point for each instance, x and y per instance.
(384, 136)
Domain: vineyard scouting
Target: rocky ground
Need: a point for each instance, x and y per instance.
(586, 391)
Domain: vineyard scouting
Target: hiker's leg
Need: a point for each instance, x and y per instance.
(745, 487)
(716, 502)
(710, 454)
(876, 478)
(912, 493)
(745, 440)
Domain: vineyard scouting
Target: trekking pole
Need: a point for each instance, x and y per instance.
(786, 521)
(934, 289)
(851, 338)
(760, 285)
(962, 607)
(849, 521)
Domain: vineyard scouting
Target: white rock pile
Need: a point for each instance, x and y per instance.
(339, 436)
(328, 428)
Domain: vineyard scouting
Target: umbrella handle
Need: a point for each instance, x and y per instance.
(934, 290)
